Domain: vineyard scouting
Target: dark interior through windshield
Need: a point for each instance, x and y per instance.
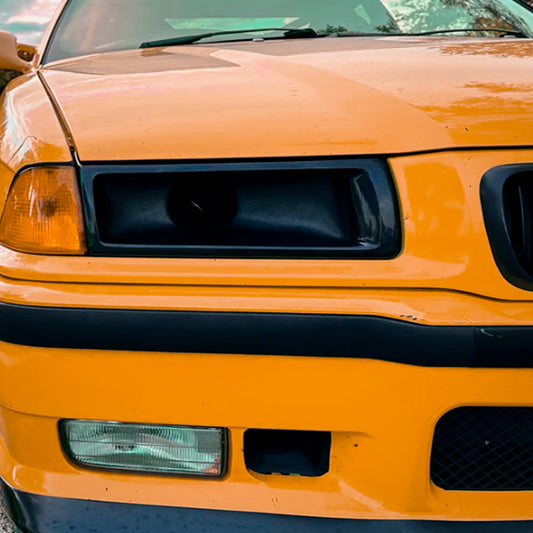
(94, 26)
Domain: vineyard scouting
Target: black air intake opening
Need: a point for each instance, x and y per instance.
(293, 209)
(484, 448)
(285, 452)
(507, 201)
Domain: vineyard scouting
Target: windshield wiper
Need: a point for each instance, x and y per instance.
(309, 33)
(289, 33)
(503, 31)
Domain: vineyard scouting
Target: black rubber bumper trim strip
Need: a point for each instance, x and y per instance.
(45, 514)
(288, 334)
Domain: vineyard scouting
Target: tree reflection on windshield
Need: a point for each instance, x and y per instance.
(28, 19)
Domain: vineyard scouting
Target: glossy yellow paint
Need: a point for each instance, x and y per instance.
(224, 99)
(29, 130)
(382, 417)
(445, 247)
(445, 275)
(460, 94)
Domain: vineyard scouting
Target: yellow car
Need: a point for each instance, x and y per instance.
(268, 266)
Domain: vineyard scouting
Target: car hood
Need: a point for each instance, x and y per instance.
(312, 97)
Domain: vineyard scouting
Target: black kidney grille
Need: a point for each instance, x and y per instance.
(518, 208)
(507, 201)
(484, 448)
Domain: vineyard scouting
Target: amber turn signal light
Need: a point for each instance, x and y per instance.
(43, 213)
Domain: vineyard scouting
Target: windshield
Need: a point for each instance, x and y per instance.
(94, 26)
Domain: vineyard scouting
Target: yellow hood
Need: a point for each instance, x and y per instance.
(312, 97)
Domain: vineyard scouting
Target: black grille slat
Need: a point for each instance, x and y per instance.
(484, 448)
(518, 199)
(507, 201)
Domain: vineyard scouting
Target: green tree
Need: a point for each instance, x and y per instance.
(5, 77)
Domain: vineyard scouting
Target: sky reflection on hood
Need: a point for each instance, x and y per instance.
(27, 19)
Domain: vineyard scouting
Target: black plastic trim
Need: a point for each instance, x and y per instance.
(492, 201)
(45, 514)
(313, 335)
(385, 244)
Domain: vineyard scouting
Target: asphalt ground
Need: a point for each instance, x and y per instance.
(5, 524)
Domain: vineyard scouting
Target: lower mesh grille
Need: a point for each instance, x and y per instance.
(484, 448)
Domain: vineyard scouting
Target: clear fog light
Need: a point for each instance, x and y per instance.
(178, 450)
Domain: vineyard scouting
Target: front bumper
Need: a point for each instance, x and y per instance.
(381, 415)
(271, 345)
